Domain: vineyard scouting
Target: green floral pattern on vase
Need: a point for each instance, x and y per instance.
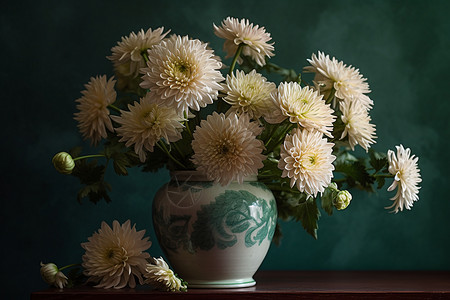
(231, 213)
(219, 223)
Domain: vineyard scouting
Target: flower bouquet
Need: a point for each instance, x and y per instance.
(174, 103)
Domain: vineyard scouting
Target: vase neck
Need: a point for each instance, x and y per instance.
(195, 175)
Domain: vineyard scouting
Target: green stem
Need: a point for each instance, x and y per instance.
(384, 175)
(88, 156)
(235, 58)
(68, 266)
(281, 137)
(186, 125)
(331, 96)
(163, 147)
(272, 131)
(113, 107)
(145, 56)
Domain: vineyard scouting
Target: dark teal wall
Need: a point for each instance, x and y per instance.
(49, 49)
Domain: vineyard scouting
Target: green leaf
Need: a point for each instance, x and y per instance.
(91, 175)
(327, 200)
(123, 157)
(308, 214)
(155, 161)
(377, 160)
(380, 181)
(95, 192)
(356, 174)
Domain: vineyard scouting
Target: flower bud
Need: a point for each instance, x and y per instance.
(48, 272)
(63, 162)
(51, 275)
(342, 200)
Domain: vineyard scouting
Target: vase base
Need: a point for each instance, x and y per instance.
(225, 284)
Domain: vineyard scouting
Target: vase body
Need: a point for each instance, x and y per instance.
(214, 236)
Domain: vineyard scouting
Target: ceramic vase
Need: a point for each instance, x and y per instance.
(214, 236)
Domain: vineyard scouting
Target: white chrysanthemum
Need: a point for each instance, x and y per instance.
(146, 123)
(161, 277)
(93, 116)
(53, 276)
(357, 125)
(307, 160)
(127, 54)
(226, 148)
(303, 106)
(115, 256)
(255, 38)
(407, 177)
(249, 93)
(183, 73)
(346, 80)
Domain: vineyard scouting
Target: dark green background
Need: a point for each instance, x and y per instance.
(49, 49)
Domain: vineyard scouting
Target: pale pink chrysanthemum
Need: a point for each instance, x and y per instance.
(93, 115)
(161, 277)
(306, 158)
(249, 94)
(145, 123)
(127, 54)
(226, 148)
(357, 125)
(407, 177)
(115, 256)
(183, 73)
(303, 106)
(346, 80)
(255, 38)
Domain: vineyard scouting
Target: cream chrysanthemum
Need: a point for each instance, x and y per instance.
(127, 54)
(115, 256)
(303, 106)
(183, 73)
(348, 83)
(255, 38)
(161, 277)
(93, 116)
(357, 125)
(249, 93)
(53, 276)
(307, 160)
(226, 148)
(146, 123)
(407, 177)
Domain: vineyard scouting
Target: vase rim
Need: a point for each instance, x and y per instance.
(195, 175)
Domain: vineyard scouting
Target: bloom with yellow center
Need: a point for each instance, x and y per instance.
(127, 54)
(303, 106)
(93, 116)
(146, 123)
(249, 94)
(226, 148)
(407, 177)
(255, 39)
(115, 256)
(357, 125)
(183, 73)
(307, 160)
(348, 83)
(161, 277)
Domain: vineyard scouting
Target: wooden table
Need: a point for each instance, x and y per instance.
(292, 285)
